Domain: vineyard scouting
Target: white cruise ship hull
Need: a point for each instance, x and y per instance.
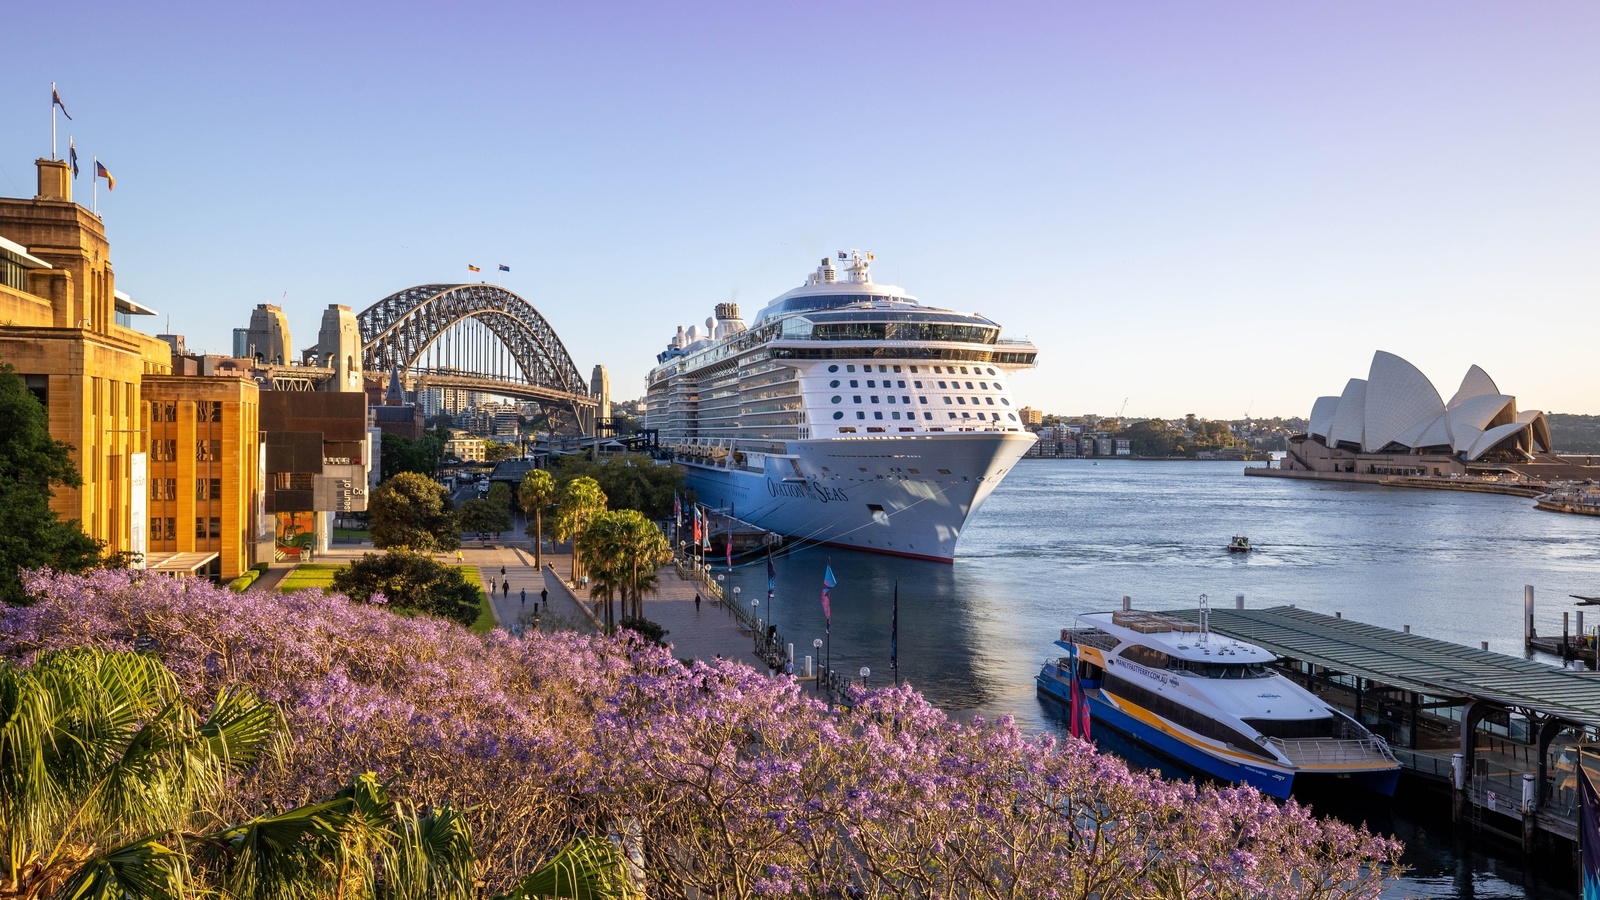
(903, 495)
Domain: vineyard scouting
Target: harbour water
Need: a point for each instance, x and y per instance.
(1063, 537)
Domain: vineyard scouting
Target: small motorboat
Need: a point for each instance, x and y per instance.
(1239, 544)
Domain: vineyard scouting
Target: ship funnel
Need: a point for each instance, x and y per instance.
(826, 273)
(728, 321)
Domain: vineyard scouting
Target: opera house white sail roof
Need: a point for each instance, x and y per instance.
(1396, 409)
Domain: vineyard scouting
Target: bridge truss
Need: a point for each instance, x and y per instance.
(477, 337)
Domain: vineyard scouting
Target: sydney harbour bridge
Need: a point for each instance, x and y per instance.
(474, 337)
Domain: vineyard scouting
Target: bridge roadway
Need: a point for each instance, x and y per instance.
(1435, 702)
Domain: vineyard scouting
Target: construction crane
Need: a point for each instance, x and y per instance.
(1123, 409)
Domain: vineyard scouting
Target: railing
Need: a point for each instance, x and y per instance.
(1333, 750)
(1089, 637)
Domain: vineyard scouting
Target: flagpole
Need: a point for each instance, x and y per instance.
(52, 121)
(94, 204)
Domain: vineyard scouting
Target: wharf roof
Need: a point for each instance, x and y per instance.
(1421, 664)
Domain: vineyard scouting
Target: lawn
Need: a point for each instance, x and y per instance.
(485, 622)
(351, 534)
(310, 575)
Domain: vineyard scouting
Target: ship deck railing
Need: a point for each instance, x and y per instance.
(1089, 637)
(1303, 751)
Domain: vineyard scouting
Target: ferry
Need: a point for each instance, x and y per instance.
(1215, 705)
(845, 413)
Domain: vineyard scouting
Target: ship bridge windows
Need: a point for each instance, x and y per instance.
(1149, 657)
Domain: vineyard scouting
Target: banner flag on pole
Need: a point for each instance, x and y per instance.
(473, 268)
(55, 99)
(505, 268)
(1588, 832)
(697, 525)
(772, 578)
(100, 171)
(894, 631)
(827, 585)
(729, 548)
(677, 509)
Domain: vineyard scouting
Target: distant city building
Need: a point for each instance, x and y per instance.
(241, 342)
(1030, 416)
(464, 447)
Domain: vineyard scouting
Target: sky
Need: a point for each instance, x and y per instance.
(1210, 208)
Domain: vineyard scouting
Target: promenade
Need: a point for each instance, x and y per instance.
(704, 633)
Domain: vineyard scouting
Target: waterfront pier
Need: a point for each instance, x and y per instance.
(1502, 735)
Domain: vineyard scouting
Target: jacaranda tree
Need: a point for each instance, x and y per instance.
(712, 779)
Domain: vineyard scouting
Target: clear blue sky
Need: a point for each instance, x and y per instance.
(1202, 207)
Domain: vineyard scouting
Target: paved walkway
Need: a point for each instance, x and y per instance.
(705, 632)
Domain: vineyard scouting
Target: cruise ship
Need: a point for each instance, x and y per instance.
(845, 413)
(1215, 705)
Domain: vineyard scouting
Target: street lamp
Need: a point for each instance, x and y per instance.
(755, 603)
(816, 647)
(720, 595)
(864, 673)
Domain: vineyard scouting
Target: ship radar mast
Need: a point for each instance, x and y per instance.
(855, 271)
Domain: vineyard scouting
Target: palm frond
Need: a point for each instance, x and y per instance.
(431, 858)
(144, 870)
(586, 869)
(290, 855)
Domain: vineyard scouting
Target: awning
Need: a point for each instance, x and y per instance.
(179, 563)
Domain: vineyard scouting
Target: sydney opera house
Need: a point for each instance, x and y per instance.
(1393, 422)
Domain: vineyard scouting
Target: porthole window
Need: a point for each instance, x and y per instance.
(838, 414)
(871, 383)
(948, 401)
(833, 383)
(1005, 401)
(833, 368)
(1011, 416)
(894, 415)
(837, 398)
(961, 400)
(877, 415)
(991, 371)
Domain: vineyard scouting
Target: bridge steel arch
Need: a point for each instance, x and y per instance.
(397, 330)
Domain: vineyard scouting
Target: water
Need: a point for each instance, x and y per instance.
(1063, 537)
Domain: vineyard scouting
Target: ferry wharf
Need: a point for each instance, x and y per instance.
(1500, 734)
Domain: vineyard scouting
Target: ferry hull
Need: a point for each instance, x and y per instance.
(907, 496)
(1274, 782)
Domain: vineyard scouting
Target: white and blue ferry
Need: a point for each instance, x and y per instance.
(1215, 705)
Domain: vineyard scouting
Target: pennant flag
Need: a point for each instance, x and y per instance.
(827, 585)
(101, 172)
(677, 508)
(729, 549)
(1077, 702)
(473, 268)
(505, 268)
(1588, 832)
(697, 525)
(772, 577)
(894, 631)
(55, 100)
(72, 157)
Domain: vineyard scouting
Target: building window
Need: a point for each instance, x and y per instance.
(208, 450)
(216, 526)
(163, 411)
(208, 411)
(208, 488)
(199, 527)
(155, 528)
(164, 451)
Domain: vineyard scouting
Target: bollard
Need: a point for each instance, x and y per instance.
(1458, 780)
(809, 673)
(790, 651)
(1484, 644)
(1238, 601)
(1529, 808)
(1528, 631)
(1407, 628)
(1127, 603)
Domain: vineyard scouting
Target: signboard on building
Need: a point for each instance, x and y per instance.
(341, 489)
(138, 537)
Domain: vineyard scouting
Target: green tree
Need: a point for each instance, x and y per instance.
(420, 455)
(413, 510)
(484, 516)
(629, 480)
(622, 551)
(494, 451)
(32, 464)
(537, 491)
(408, 581)
(581, 498)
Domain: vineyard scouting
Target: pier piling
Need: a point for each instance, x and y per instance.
(1238, 601)
(1528, 631)
(1127, 603)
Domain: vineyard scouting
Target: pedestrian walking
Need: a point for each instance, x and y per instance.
(524, 598)
(697, 601)
(544, 597)
(502, 571)
(458, 557)
(505, 589)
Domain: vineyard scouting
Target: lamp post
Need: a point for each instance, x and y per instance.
(864, 673)
(816, 647)
(755, 603)
(720, 578)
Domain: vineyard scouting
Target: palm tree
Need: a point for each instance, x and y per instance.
(646, 549)
(538, 490)
(581, 499)
(622, 550)
(106, 773)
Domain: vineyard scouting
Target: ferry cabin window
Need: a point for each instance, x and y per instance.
(838, 414)
(1149, 657)
(1179, 714)
(1296, 729)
